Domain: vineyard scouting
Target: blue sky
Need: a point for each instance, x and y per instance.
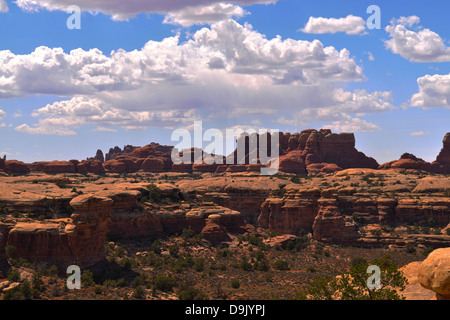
(178, 62)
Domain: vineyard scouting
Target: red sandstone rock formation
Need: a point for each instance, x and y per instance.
(299, 150)
(76, 240)
(2, 164)
(316, 168)
(294, 213)
(90, 166)
(442, 163)
(330, 225)
(88, 229)
(150, 158)
(16, 167)
(53, 167)
(407, 161)
(292, 162)
(213, 231)
(116, 151)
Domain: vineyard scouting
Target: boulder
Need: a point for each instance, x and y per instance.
(316, 168)
(115, 166)
(213, 231)
(153, 165)
(434, 273)
(292, 163)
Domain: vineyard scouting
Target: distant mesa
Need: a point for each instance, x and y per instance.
(307, 152)
(409, 161)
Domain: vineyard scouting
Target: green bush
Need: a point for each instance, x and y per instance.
(13, 275)
(139, 293)
(235, 284)
(87, 278)
(165, 283)
(191, 293)
(281, 265)
(245, 265)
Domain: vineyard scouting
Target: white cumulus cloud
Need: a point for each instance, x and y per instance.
(419, 133)
(417, 46)
(3, 6)
(204, 14)
(434, 91)
(124, 10)
(351, 25)
(226, 69)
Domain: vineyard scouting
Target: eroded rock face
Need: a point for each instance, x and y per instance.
(299, 150)
(407, 161)
(76, 240)
(150, 158)
(213, 230)
(292, 162)
(330, 225)
(53, 167)
(295, 213)
(442, 163)
(90, 166)
(16, 167)
(117, 151)
(316, 168)
(2, 164)
(337, 215)
(89, 227)
(434, 273)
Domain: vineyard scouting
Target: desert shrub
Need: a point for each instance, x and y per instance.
(13, 275)
(353, 285)
(156, 247)
(410, 248)
(37, 282)
(299, 243)
(199, 264)
(262, 265)
(357, 261)
(165, 283)
(87, 278)
(174, 250)
(281, 265)
(61, 184)
(296, 179)
(245, 265)
(279, 193)
(139, 293)
(310, 269)
(189, 236)
(191, 293)
(235, 284)
(98, 290)
(9, 250)
(155, 194)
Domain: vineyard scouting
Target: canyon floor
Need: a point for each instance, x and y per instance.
(217, 236)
